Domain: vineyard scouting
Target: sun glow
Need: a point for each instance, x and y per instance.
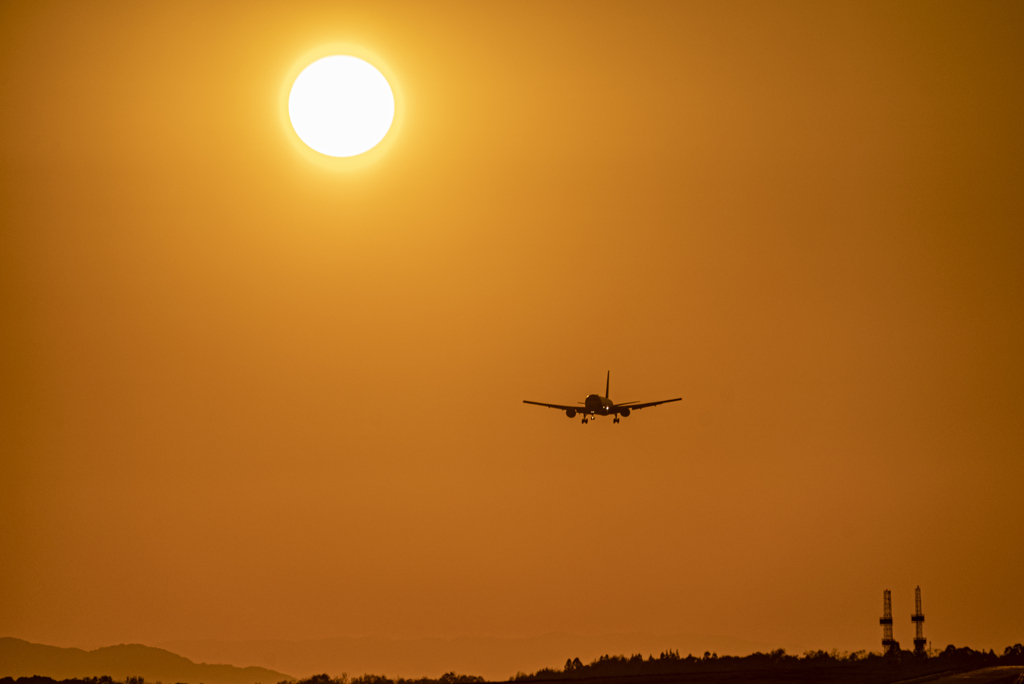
(341, 106)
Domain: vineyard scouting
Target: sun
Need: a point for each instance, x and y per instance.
(341, 106)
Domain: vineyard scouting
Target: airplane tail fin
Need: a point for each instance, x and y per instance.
(607, 384)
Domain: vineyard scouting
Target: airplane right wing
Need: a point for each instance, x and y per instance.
(554, 406)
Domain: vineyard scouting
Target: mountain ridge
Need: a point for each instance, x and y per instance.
(20, 658)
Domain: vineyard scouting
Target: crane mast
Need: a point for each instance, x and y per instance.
(918, 619)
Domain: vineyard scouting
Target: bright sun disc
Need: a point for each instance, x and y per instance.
(341, 106)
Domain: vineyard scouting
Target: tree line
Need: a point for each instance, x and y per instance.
(670, 662)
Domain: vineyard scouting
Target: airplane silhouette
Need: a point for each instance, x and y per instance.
(596, 405)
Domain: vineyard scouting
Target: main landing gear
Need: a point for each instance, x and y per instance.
(587, 420)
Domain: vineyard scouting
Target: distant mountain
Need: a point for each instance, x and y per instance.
(494, 658)
(23, 659)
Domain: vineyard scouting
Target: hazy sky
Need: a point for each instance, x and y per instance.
(252, 393)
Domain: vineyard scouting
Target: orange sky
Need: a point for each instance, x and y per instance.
(250, 394)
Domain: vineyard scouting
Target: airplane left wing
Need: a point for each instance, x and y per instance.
(636, 407)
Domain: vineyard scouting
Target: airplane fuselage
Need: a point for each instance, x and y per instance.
(598, 405)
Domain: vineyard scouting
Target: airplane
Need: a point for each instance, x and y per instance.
(596, 405)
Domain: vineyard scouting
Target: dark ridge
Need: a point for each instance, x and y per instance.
(669, 668)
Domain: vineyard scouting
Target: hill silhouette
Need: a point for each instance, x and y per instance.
(20, 658)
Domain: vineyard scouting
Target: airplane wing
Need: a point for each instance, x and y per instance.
(637, 407)
(554, 406)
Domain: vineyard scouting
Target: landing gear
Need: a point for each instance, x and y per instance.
(616, 419)
(585, 421)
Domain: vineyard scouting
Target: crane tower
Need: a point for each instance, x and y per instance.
(890, 645)
(918, 619)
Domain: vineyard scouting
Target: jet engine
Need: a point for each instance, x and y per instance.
(570, 412)
(624, 412)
